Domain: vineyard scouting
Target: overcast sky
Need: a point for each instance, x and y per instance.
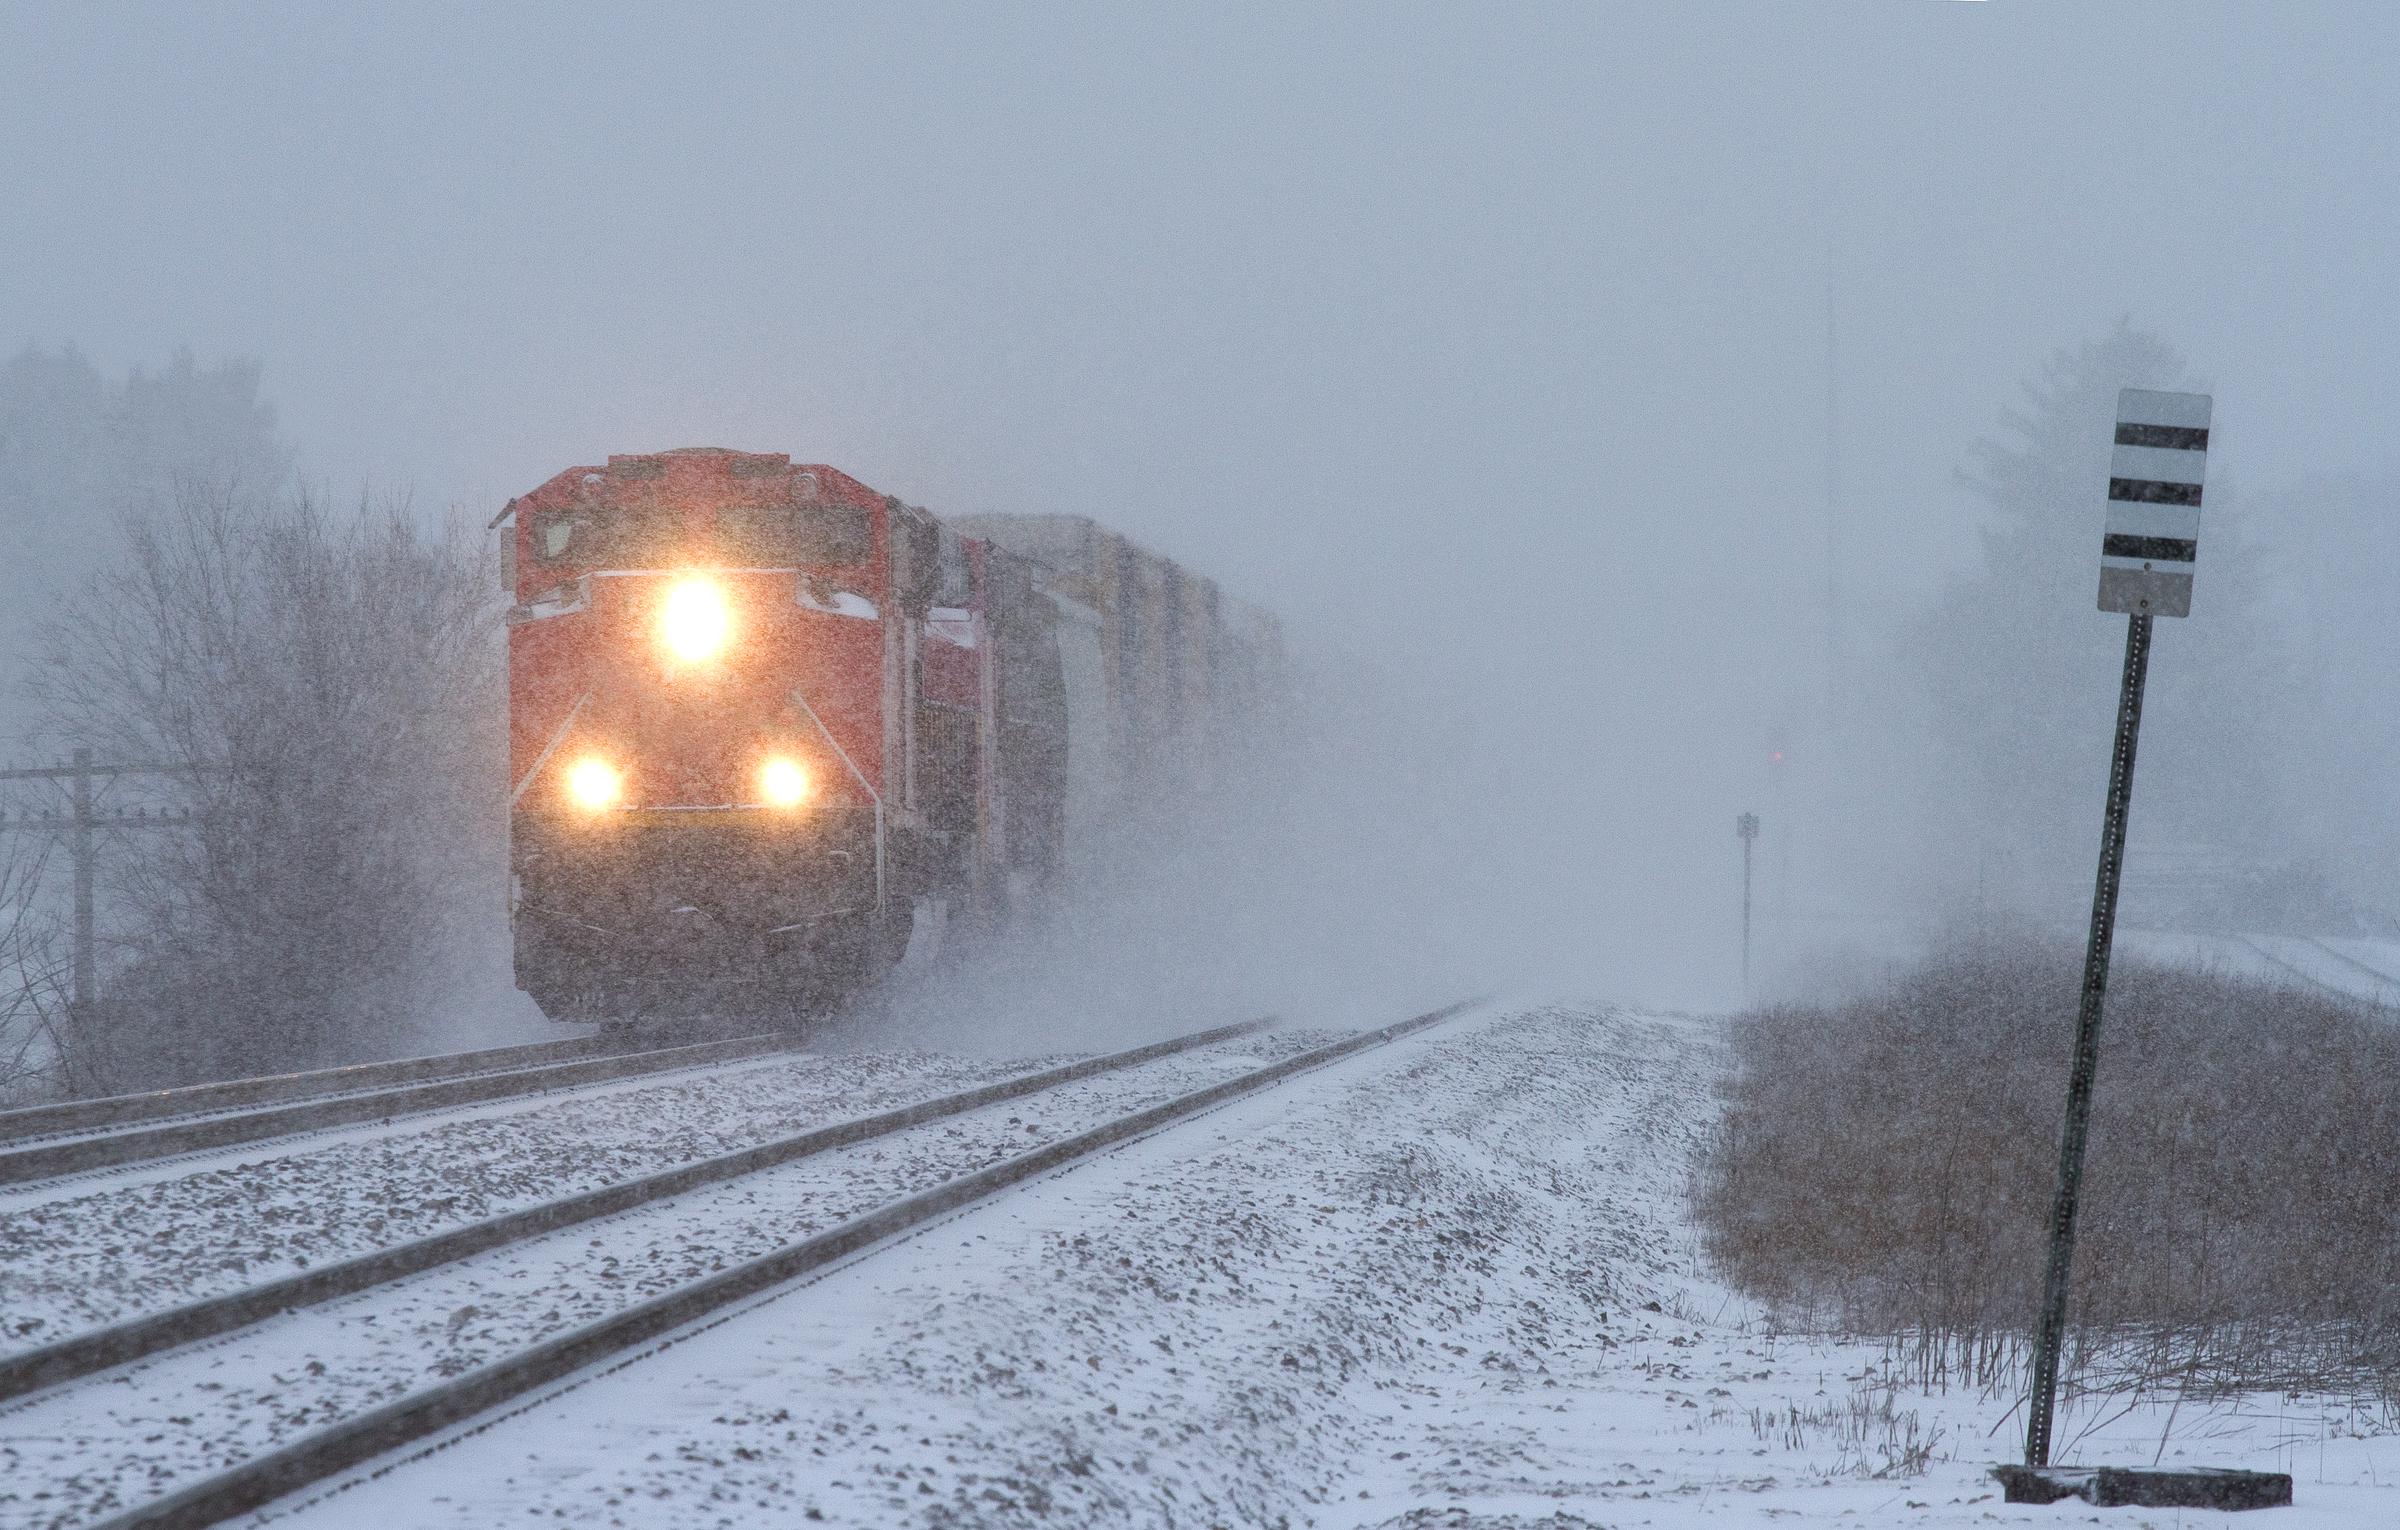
(1241, 277)
(1448, 331)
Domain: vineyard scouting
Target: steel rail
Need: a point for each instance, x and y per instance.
(408, 1419)
(74, 1155)
(137, 1338)
(2369, 968)
(117, 1110)
(2334, 990)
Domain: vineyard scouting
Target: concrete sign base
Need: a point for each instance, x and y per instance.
(2147, 1487)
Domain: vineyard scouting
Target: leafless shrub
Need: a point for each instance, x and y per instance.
(1869, 1434)
(1886, 1166)
(321, 686)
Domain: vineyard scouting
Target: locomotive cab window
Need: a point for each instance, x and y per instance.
(954, 584)
(554, 535)
(615, 536)
(825, 534)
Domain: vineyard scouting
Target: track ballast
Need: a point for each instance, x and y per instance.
(425, 1411)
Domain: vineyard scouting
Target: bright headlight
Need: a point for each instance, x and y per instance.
(696, 621)
(783, 783)
(594, 784)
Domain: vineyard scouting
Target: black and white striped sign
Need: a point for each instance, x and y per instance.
(2154, 503)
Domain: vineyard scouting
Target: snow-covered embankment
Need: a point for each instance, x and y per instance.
(1448, 1283)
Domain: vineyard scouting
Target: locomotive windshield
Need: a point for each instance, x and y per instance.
(774, 536)
(830, 534)
(609, 536)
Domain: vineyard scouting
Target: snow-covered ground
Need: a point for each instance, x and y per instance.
(2206, 953)
(2362, 969)
(704, 1080)
(122, 1437)
(107, 1246)
(1450, 1282)
(1837, 958)
(2354, 968)
(2381, 957)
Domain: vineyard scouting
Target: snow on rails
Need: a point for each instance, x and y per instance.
(728, 1240)
(53, 1142)
(139, 1337)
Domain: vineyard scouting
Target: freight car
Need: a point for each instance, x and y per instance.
(772, 733)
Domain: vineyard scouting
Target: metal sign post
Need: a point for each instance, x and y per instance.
(1746, 826)
(2146, 558)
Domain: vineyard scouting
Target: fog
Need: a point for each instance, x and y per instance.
(1588, 389)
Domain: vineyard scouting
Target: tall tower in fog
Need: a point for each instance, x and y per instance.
(1836, 690)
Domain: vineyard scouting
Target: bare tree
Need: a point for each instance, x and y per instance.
(34, 966)
(2016, 669)
(75, 444)
(323, 687)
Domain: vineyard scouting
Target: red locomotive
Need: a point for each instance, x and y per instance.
(770, 730)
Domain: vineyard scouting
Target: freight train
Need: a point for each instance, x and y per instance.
(772, 733)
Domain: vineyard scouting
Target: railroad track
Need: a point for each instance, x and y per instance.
(116, 1111)
(137, 1338)
(429, 1410)
(51, 1141)
(2382, 979)
(2335, 990)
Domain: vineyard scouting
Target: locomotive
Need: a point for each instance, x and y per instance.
(772, 733)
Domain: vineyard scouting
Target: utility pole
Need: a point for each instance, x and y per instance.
(1746, 827)
(1836, 692)
(83, 821)
(87, 961)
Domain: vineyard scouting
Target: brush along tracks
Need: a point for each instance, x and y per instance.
(54, 1141)
(294, 1462)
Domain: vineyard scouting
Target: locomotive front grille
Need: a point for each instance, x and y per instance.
(668, 911)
